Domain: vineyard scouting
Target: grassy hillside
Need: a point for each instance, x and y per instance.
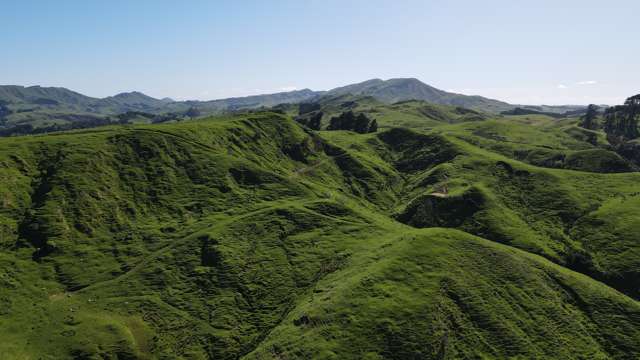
(414, 114)
(252, 237)
(543, 141)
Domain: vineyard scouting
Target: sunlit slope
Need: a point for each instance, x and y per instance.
(253, 237)
(571, 217)
(415, 114)
(442, 294)
(543, 141)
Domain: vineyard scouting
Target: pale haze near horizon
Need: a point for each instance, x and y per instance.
(540, 52)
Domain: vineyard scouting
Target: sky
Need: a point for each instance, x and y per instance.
(524, 52)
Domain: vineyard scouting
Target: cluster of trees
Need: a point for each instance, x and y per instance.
(621, 122)
(306, 108)
(193, 112)
(311, 120)
(309, 115)
(360, 123)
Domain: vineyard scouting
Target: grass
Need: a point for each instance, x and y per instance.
(543, 141)
(412, 114)
(250, 237)
(473, 298)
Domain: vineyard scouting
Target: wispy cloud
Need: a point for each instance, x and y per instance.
(587, 82)
(562, 86)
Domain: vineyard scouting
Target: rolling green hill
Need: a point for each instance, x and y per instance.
(252, 237)
(414, 114)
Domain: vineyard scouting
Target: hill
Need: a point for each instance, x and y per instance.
(23, 109)
(410, 113)
(249, 236)
(131, 101)
(394, 90)
(14, 94)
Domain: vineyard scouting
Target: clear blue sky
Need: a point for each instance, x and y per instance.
(540, 51)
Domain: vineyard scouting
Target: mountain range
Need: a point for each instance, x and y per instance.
(41, 106)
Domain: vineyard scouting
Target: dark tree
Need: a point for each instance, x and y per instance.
(374, 126)
(193, 112)
(588, 121)
(610, 120)
(305, 108)
(349, 121)
(316, 121)
(361, 124)
(335, 123)
(311, 120)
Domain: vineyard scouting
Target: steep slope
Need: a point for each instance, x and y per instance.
(453, 183)
(250, 237)
(449, 181)
(440, 294)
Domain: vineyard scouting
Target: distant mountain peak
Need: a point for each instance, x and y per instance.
(131, 94)
(402, 89)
